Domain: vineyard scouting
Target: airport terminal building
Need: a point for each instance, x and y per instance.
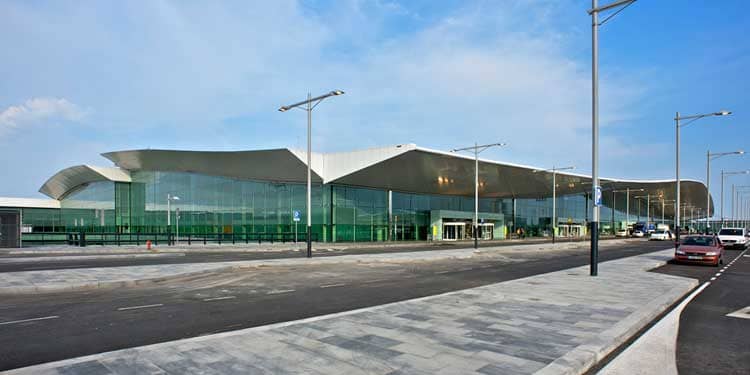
(396, 193)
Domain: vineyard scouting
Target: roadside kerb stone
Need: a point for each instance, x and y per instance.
(567, 322)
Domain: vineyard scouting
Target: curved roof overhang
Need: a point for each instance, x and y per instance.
(421, 170)
(71, 178)
(405, 168)
(280, 165)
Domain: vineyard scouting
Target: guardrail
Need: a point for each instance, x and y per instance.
(83, 239)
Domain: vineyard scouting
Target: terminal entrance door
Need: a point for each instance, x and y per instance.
(10, 229)
(486, 230)
(453, 231)
(569, 230)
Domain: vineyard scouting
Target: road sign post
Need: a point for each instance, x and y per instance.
(296, 217)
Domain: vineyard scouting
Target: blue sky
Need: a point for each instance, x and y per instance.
(82, 78)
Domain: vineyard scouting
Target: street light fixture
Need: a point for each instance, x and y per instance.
(737, 191)
(677, 127)
(171, 198)
(648, 207)
(596, 189)
(477, 150)
(723, 176)
(308, 106)
(627, 204)
(554, 171)
(713, 156)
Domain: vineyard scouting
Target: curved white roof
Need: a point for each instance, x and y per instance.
(68, 179)
(406, 168)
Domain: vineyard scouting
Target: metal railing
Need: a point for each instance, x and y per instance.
(83, 239)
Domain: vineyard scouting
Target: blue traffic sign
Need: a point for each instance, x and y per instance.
(296, 215)
(598, 196)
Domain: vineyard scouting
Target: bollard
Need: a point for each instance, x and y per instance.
(148, 244)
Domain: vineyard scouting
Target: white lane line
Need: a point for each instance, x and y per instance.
(219, 298)
(281, 291)
(441, 272)
(30, 320)
(375, 281)
(139, 307)
(718, 274)
(332, 285)
(54, 268)
(465, 269)
(713, 278)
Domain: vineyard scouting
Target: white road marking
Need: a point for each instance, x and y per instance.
(743, 313)
(281, 291)
(30, 320)
(55, 268)
(139, 307)
(375, 281)
(713, 278)
(487, 266)
(465, 269)
(718, 274)
(440, 272)
(219, 298)
(332, 285)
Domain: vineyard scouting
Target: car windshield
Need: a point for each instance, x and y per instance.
(698, 241)
(730, 232)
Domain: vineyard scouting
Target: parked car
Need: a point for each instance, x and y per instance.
(700, 249)
(621, 233)
(733, 237)
(638, 233)
(661, 235)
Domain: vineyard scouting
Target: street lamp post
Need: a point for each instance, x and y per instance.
(723, 176)
(477, 149)
(554, 171)
(627, 205)
(171, 198)
(648, 207)
(677, 127)
(737, 207)
(709, 157)
(308, 106)
(596, 189)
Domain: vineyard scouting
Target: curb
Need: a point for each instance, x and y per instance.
(585, 357)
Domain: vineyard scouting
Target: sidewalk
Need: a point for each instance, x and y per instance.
(557, 323)
(113, 277)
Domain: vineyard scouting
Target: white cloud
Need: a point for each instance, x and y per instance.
(39, 110)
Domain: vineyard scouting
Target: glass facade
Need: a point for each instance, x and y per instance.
(213, 205)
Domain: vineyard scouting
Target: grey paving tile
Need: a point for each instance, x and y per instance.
(380, 341)
(420, 318)
(131, 366)
(93, 367)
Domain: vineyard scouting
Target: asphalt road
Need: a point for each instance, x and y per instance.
(709, 341)
(36, 329)
(36, 263)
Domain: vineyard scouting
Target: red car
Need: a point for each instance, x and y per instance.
(700, 249)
